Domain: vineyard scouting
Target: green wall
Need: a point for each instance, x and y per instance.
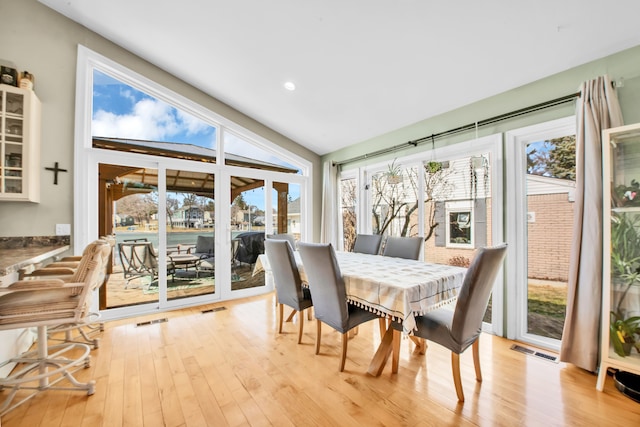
(625, 65)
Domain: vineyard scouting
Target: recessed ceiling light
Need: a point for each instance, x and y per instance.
(290, 86)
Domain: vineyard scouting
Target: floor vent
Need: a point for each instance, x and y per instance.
(212, 310)
(531, 352)
(151, 322)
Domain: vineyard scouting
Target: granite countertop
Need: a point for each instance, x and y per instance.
(19, 252)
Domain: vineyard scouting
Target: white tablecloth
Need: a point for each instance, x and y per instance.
(396, 287)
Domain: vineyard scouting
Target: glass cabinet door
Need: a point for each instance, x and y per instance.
(19, 144)
(12, 134)
(621, 251)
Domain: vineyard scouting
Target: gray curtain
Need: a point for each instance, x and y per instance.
(597, 109)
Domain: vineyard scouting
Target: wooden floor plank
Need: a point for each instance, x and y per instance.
(232, 368)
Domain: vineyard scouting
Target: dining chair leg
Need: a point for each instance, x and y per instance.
(476, 358)
(421, 344)
(290, 318)
(318, 335)
(280, 317)
(301, 327)
(395, 358)
(383, 326)
(455, 367)
(343, 357)
(309, 315)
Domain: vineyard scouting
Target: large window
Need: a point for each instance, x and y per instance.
(451, 197)
(187, 187)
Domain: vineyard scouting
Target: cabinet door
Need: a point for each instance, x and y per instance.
(19, 144)
(621, 251)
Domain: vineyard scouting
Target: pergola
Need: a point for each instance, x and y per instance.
(116, 182)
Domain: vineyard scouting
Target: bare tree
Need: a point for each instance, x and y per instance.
(348, 196)
(392, 202)
(140, 207)
(172, 207)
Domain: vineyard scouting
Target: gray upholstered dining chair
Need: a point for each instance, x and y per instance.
(460, 328)
(329, 294)
(368, 244)
(283, 236)
(289, 289)
(403, 247)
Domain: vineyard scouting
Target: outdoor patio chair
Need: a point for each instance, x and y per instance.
(139, 259)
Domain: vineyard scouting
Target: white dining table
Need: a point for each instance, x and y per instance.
(397, 288)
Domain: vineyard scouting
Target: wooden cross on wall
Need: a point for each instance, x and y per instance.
(55, 171)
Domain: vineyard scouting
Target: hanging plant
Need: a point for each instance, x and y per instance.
(475, 164)
(394, 173)
(433, 167)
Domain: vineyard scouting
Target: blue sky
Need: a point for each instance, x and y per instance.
(123, 112)
(120, 111)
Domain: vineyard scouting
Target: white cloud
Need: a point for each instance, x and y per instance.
(149, 119)
(193, 126)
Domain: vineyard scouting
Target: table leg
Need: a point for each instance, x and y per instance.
(395, 360)
(382, 353)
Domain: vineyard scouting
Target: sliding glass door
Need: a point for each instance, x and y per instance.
(190, 233)
(127, 208)
(164, 247)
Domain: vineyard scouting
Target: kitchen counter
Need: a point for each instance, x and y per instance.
(20, 252)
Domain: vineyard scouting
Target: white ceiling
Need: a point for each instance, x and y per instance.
(362, 67)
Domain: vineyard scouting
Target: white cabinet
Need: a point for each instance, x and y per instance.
(620, 347)
(19, 144)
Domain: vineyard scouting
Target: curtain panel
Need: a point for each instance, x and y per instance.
(328, 222)
(597, 109)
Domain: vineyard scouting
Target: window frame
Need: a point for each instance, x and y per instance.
(87, 158)
(459, 206)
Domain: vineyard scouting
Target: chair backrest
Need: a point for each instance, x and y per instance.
(326, 284)
(138, 258)
(205, 245)
(96, 250)
(288, 237)
(285, 272)
(38, 303)
(403, 247)
(368, 244)
(474, 293)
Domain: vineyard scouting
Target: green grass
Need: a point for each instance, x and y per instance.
(547, 305)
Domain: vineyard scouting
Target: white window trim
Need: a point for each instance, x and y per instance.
(86, 157)
(516, 142)
(454, 206)
(492, 144)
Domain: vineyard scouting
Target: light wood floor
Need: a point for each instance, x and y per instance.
(230, 368)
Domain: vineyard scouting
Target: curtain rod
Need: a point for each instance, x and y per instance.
(470, 126)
